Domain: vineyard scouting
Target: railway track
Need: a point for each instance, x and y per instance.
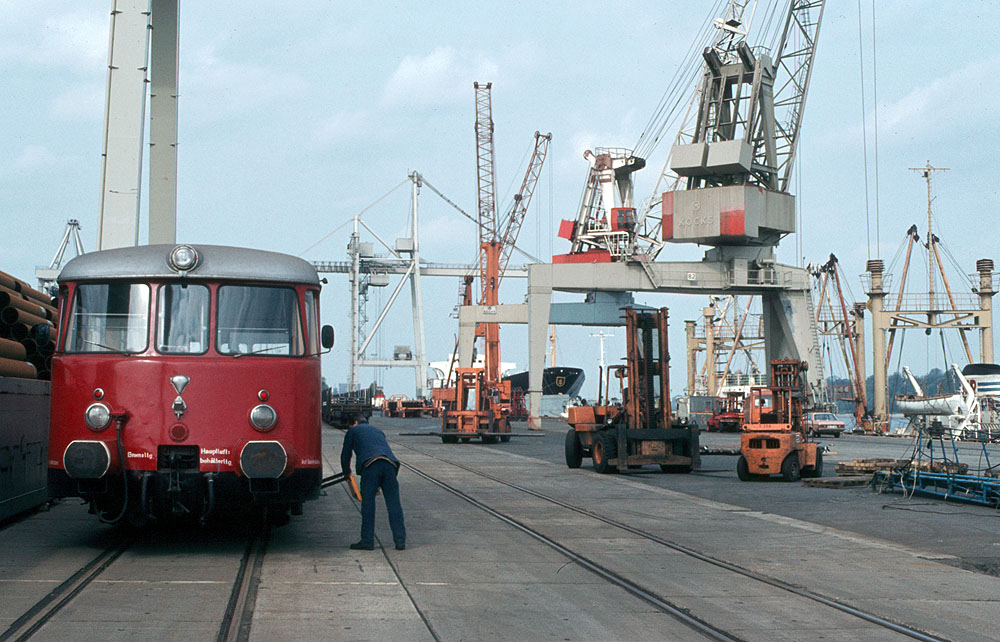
(236, 620)
(395, 569)
(682, 615)
(46, 608)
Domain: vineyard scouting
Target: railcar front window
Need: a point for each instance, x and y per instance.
(182, 319)
(258, 320)
(109, 317)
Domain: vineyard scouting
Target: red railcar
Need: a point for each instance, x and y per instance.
(187, 378)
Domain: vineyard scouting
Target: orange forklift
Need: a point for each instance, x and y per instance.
(474, 408)
(773, 439)
(641, 430)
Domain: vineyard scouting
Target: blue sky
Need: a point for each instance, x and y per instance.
(293, 120)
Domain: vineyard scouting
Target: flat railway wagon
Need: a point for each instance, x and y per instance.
(187, 379)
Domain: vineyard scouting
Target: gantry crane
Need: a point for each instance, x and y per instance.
(742, 129)
(479, 404)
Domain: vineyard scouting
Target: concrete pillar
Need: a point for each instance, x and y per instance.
(124, 124)
(164, 51)
(986, 292)
(708, 314)
(539, 303)
(692, 354)
(876, 301)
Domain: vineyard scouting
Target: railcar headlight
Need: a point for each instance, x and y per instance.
(97, 416)
(184, 258)
(263, 417)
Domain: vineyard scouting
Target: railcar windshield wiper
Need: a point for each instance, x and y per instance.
(108, 348)
(243, 354)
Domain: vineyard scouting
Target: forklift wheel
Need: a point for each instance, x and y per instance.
(742, 469)
(449, 439)
(574, 452)
(605, 447)
(790, 470)
(504, 439)
(489, 439)
(817, 470)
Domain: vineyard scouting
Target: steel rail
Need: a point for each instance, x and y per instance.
(729, 566)
(395, 569)
(38, 615)
(680, 614)
(236, 620)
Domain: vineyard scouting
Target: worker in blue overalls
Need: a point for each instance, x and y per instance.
(377, 467)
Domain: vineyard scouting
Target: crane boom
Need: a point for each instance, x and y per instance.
(485, 179)
(512, 225)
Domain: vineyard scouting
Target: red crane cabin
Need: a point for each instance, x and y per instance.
(187, 378)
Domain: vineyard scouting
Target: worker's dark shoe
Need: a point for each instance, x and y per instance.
(361, 546)
(400, 546)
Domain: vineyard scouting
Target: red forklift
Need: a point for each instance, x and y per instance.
(774, 440)
(641, 430)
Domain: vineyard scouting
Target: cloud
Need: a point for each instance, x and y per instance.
(343, 126)
(33, 157)
(936, 108)
(441, 77)
(79, 102)
(77, 40)
(240, 87)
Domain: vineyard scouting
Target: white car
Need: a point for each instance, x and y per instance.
(823, 423)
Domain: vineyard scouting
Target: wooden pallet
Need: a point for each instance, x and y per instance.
(838, 482)
(865, 466)
(873, 464)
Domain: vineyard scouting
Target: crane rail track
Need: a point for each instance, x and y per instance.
(46, 608)
(872, 618)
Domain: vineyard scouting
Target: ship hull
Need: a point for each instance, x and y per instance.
(556, 380)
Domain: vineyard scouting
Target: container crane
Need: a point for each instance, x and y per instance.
(480, 403)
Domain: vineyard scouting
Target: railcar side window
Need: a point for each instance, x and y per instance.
(108, 317)
(182, 319)
(312, 326)
(258, 320)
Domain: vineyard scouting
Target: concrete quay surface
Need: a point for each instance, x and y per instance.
(468, 575)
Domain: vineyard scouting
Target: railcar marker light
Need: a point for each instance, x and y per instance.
(184, 258)
(98, 393)
(263, 395)
(263, 417)
(97, 416)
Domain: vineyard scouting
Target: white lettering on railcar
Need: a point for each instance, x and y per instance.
(141, 455)
(309, 462)
(209, 452)
(215, 460)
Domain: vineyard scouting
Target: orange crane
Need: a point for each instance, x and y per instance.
(479, 404)
(848, 339)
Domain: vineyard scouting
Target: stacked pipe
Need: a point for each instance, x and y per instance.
(28, 321)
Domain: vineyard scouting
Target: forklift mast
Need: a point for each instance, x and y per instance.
(647, 396)
(789, 391)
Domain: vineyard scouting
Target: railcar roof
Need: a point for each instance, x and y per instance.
(216, 262)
